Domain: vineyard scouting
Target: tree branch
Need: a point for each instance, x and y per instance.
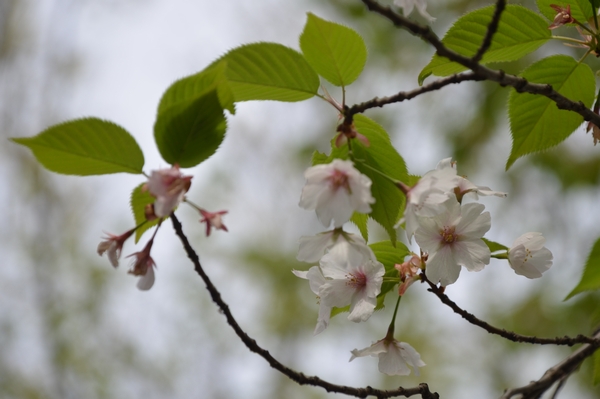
(251, 344)
(491, 30)
(521, 85)
(408, 95)
(511, 336)
(560, 372)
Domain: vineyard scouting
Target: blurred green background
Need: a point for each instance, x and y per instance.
(72, 327)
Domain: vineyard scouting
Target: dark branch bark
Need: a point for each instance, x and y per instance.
(251, 344)
(483, 73)
(511, 336)
(491, 30)
(560, 372)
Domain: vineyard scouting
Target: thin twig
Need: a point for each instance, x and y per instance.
(559, 372)
(491, 30)
(408, 95)
(521, 85)
(251, 344)
(511, 336)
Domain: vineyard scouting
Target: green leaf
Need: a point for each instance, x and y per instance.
(520, 31)
(389, 254)
(84, 147)
(138, 201)
(269, 71)
(191, 131)
(596, 359)
(360, 220)
(197, 85)
(494, 246)
(336, 52)
(382, 156)
(536, 123)
(581, 10)
(590, 280)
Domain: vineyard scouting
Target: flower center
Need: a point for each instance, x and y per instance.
(339, 179)
(448, 235)
(356, 280)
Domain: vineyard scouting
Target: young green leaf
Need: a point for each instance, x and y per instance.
(360, 220)
(269, 71)
(535, 121)
(138, 201)
(581, 10)
(84, 147)
(520, 31)
(336, 52)
(195, 86)
(494, 246)
(590, 280)
(191, 131)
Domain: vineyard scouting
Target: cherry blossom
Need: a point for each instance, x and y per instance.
(212, 219)
(453, 238)
(168, 186)
(312, 248)
(352, 279)
(316, 280)
(408, 5)
(528, 257)
(394, 357)
(335, 191)
(345, 277)
(143, 265)
(113, 245)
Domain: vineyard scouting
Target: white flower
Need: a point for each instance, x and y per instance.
(408, 5)
(453, 238)
(426, 198)
(394, 356)
(317, 280)
(352, 279)
(528, 257)
(312, 248)
(168, 186)
(345, 277)
(335, 191)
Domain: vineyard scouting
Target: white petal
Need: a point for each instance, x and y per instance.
(373, 350)
(473, 254)
(362, 308)
(147, 280)
(392, 362)
(442, 267)
(313, 248)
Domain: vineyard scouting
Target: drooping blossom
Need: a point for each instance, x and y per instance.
(563, 16)
(345, 277)
(394, 357)
(409, 273)
(143, 265)
(452, 239)
(213, 219)
(335, 191)
(312, 248)
(316, 280)
(113, 245)
(168, 186)
(408, 5)
(528, 257)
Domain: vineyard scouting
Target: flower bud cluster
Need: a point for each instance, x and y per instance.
(168, 187)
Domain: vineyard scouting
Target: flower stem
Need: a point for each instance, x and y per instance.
(390, 332)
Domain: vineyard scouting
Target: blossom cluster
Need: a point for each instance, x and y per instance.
(450, 233)
(348, 273)
(168, 187)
